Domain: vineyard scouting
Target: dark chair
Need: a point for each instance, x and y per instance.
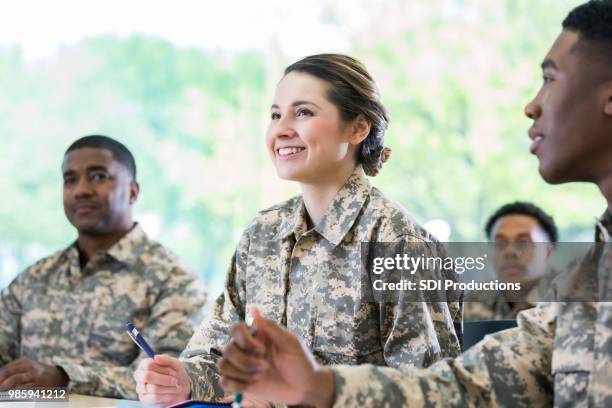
(474, 331)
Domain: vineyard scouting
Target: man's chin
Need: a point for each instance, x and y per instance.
(513, 275)
(553, 175)
(88, 228)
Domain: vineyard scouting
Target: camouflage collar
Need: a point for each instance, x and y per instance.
(293, 224)
(340, 215)
(126, 250)
(344, 209)
(538, 292)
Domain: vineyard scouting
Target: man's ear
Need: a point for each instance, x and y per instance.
(134, 191)
(360, 129)
(608, 101)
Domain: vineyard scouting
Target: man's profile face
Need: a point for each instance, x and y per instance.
(522, 248)
(567, 132)
(98, 191)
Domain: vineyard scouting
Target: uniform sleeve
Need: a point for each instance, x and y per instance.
(168, 330)
(10, 317)
(509, 368)
(205, 347)
(418, 327)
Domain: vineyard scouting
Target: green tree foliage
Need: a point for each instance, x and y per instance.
(180, 111)
(456, 81)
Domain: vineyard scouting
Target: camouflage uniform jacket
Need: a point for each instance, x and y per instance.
(498, 308)
(309, 281)
(560, 354)
(57, 313)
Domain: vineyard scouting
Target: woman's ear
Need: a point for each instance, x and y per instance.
(360, 129)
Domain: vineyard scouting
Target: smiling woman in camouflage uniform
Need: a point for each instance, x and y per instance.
(299, 261)
(561, 352)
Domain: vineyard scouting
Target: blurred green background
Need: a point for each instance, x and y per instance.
(454, 75)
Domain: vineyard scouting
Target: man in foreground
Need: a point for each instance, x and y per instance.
(561, 352)
(63, 320)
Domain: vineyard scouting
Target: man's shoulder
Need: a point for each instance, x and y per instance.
(159, 268)
(36, 276)
(479, 307)
(577, 281)
(46, 266)
(153, 256)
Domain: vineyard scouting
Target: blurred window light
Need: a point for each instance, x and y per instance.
(8, 270)
(227, 26)
(439, 229)
(151, 223)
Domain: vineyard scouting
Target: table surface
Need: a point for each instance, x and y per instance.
(77, 401)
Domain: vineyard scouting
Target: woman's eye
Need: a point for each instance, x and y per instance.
(275, 116)
(304, 112)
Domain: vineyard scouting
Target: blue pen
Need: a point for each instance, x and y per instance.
(139, 340)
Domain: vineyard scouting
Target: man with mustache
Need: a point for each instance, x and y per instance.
(63, 320)
(524, 239)
(561, 352)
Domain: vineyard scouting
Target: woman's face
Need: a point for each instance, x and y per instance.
(307, 139)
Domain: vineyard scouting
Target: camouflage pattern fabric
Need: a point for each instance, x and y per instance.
(498, 308)
(310, 281)
(57, 313)
(560, 354)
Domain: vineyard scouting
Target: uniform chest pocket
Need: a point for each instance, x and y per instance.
(345, 334)
(55, 324)
(573, 357)
(108, 340)
(571, 385)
